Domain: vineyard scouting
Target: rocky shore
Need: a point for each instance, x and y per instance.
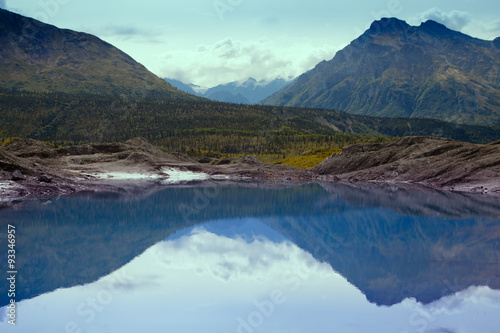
(32, 169)
(438, 163)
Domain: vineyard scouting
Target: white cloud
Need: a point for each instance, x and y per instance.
(455, 20)
(124, 32)
(484, 29)
(232, 60)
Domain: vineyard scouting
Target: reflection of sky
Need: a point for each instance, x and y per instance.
(202, 281)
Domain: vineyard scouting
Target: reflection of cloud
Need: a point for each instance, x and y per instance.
(456, 304)
(455, 19)
(162, 289)
(233, 258)
(232, 60)
(456, 313)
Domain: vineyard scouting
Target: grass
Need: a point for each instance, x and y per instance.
(305, 160)
(309, 159)
(3, 142)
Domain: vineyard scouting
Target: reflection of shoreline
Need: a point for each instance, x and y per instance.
(409, 199)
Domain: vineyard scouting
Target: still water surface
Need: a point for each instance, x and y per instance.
(336, 258)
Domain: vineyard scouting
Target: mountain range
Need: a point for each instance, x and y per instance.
(397, 70)
(249, 91)
(74, 79)
(39, 57)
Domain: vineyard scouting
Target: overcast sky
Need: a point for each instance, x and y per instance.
(208, 42)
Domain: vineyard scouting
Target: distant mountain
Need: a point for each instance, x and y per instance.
(227, 96)
(249, 91)
(398, 70)
(188, 88)
(38, 57)
(253, 90)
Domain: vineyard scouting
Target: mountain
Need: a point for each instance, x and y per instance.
(249, 91)
(254, 91)
(397, 70)
(228, 97)
(188, 88)
(38, 57)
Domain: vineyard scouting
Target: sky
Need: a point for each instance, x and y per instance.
(209, 42)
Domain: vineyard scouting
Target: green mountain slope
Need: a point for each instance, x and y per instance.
(398, 70)
(38, 57)
(206, 125)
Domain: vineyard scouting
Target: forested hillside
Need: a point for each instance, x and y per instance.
(205, 127)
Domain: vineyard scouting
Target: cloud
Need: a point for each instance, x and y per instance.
(455, 19)
(3, 4)
(123, 32)
(486, 29)
(233, 60)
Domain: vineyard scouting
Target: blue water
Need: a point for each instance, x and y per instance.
(336, 258)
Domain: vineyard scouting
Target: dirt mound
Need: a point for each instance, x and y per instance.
(250, 160)
(434, 162)
(10, 162)
(29, 148)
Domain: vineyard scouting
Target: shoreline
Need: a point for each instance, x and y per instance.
(30, 169)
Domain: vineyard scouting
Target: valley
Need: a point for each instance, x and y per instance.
(69, 89)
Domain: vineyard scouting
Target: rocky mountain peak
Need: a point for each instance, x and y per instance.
(398, 70)
(433, 25)
(388, 25)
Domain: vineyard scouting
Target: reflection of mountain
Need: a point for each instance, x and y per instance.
(388, 256)
(77, 240)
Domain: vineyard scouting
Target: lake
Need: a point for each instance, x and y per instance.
(310, 258)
